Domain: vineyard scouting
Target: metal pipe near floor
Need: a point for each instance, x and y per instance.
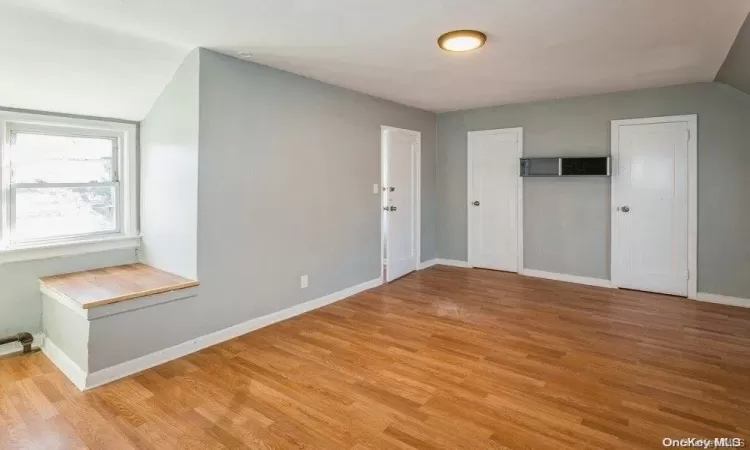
(26, 339)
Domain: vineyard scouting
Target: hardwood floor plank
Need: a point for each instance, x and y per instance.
(443, 358)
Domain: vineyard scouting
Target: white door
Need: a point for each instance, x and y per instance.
(650, 204)
(493, 198)
(401, 152)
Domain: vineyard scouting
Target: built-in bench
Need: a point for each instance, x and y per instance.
(98, 319)
(100, 287)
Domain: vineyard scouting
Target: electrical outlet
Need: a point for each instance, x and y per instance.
(303, 282)
(376, 188)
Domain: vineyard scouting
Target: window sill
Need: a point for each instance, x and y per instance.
(60, 249)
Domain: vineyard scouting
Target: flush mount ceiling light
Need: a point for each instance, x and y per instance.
(462, 40)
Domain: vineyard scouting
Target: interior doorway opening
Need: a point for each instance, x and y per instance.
(400, 202)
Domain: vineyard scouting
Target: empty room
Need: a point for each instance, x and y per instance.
(415, 224)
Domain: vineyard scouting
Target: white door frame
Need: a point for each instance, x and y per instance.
(519, 188)
(384, 129)
(692, 245)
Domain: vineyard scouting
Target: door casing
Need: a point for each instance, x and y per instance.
(692, 245)
(384, 129)
(518, 131)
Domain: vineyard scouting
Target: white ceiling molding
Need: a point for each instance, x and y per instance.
(387, 48)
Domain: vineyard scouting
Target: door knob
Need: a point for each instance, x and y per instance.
(625, 209)
(475, 203)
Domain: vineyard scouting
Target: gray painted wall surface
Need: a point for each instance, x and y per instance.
(67, 330)
(169, 175)
(736, 68)
(567, 221)
(286, 168)
(20, 299)
(113, 340)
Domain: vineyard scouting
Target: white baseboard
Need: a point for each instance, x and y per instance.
(64, 363)
(15, 347)
(452, 262)
(127, 368)
(569, 278)
(426, 264)
(723, 299)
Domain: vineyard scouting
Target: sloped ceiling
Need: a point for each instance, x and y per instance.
(52, 64)
(736, 68)
(113, 57)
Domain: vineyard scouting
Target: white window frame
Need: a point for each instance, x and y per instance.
(124, 179)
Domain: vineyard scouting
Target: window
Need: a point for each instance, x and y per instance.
(65, 181)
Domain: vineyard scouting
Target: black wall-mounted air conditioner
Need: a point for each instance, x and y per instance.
(565, 167)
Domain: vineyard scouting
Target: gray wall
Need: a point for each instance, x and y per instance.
(287, 166)
(566, 222)
(20, 300)
(67, 330)
(169, 175)
(736, 68)
(113, 340)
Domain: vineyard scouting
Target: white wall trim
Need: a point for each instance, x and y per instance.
(15, 347)
(59, 249)
(568, 278)
(384, 129)
(692, 205)
(692, 123)
(518, 131)
(723, 299)
(60, 120)
(127, 368)
(519, 214)
(427, 264)
(452, 262)
(66, 365)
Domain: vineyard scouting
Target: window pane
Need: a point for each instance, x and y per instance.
(39, 158)
(52, 212)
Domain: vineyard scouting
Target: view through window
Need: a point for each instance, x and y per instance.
(62, 184)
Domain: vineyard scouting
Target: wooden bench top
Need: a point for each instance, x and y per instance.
(92, 288)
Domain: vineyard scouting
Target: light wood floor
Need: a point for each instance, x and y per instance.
(444, 358)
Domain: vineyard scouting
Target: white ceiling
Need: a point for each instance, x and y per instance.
(113, 57)
(55, 65)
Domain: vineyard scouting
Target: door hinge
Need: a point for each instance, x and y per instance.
(688, 134)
